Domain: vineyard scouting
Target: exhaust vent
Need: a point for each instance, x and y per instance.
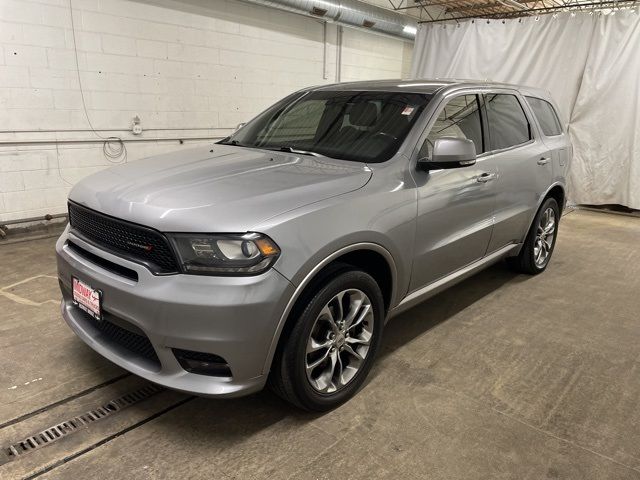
(318, 12)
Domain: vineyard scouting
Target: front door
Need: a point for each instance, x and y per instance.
(455, 206)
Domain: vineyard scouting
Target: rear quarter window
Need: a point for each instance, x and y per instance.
(546, 115)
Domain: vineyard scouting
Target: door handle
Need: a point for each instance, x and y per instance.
(544, 161)
(486, 177)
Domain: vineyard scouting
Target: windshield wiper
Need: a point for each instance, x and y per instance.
(288, 149)
(227, 141)
(283, 148)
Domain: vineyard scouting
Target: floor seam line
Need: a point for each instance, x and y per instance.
(58, 463)
(63, 401)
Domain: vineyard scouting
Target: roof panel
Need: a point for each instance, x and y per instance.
(417, 85)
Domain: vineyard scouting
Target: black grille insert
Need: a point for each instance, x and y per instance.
(120, 332)
(129, 240)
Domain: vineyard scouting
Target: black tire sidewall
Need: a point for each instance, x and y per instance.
(295, 352)
(549, 202)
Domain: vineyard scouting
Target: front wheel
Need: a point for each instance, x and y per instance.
(540, 242)
(330, 349)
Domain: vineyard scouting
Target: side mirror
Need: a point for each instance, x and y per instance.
(449, 152)
(240, 125)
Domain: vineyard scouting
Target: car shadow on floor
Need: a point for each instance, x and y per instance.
(423, 317)
(236, 419)
(399, 331)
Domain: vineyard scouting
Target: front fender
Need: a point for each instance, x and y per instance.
(312, 237)
(311, 274)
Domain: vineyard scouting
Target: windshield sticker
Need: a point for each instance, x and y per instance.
(407, 110)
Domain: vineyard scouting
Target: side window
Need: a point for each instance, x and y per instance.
(508, 124)
(460, 118)
(546, 115)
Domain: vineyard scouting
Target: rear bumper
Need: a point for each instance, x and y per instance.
(232, 317)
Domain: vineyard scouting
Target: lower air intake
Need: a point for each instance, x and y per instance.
(202, 363)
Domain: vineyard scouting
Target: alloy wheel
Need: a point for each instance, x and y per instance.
(545, 236)
(339, 341)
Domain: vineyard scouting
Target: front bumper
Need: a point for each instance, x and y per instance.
(235, 318)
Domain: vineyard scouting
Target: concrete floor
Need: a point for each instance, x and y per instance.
(502, 377)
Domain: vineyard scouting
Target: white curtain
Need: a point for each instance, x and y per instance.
(591, 65)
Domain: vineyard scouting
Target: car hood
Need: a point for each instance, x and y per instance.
(216, 189)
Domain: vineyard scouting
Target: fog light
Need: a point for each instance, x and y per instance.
(202, 363)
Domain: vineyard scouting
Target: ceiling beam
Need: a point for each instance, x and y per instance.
(542, 10)
(478, 6)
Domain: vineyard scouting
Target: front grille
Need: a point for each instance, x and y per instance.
(135, 242)
(112, 330)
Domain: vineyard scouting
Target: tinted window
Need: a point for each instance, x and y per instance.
(546, 116)
(300, 124)
(359, 126)
(460, 118)
(508, 125)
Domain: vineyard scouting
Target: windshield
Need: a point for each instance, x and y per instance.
(359, 126)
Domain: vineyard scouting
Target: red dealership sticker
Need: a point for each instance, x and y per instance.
(87, 298)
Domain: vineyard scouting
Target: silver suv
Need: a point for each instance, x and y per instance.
(278, 254)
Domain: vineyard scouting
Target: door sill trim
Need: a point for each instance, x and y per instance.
(445, 282)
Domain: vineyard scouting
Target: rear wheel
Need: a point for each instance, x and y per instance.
(540, 242)
(329, 351)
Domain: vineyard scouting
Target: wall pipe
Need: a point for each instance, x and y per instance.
(43, 218)
(15, 143)
(74, 130)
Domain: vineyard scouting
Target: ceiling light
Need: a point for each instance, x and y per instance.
(410, 29)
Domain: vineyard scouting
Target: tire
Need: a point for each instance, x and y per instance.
(313, 319)
(528, 260)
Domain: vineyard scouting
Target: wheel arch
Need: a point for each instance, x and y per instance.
(558, 193)
(370, 257)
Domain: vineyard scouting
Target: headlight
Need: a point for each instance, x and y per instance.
(225, 254)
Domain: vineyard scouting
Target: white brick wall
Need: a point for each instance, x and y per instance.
(205, 65)
(366, 56)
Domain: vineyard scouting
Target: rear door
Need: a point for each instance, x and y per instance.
(523, 162)
(554, 136)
